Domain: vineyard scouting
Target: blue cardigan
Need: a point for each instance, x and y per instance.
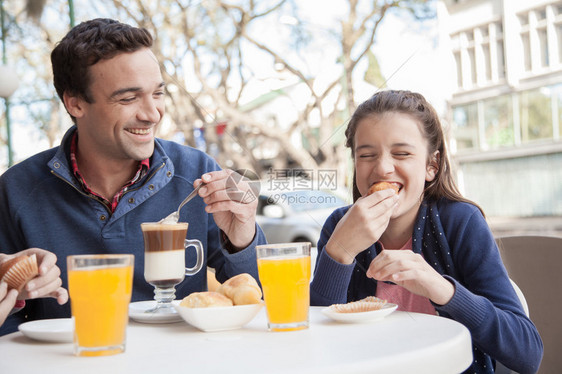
(42, 205)
(454, 239)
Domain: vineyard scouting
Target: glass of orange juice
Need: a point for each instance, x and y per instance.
(284, 271)
(100, 289)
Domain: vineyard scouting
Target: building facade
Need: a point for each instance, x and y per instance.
(506, 109)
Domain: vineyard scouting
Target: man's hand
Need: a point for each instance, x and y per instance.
(233, 203)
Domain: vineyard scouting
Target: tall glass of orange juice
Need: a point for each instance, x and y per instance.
(100, 289)
(284, 271)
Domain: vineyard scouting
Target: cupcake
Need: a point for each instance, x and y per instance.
(367, 304)
(19, 270)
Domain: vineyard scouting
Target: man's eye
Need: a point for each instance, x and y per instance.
(128, 99)
(367, 155)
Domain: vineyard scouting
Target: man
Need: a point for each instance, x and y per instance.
(110, 173)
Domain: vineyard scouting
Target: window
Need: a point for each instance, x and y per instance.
(459, 66)
(500, 63)
(472, 64)
(487, 62)
(541, 38)
(490, 123)
(479, 55)
(543, 47)
(535, 114)
(559, 41)
(498, 122)
(465, 118)
(526, 44)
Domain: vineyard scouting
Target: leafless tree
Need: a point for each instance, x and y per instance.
(207, 50)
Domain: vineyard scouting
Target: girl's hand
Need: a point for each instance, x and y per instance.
(7, 301)
(411, 271)
(48, 282)
(361, 226)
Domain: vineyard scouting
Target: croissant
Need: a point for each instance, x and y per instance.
(383, 186)
(205, 300)
(242, 289)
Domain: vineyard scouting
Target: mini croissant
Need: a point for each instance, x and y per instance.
(205, 300)
(242, 289)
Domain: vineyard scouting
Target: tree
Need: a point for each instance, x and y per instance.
(213, 55)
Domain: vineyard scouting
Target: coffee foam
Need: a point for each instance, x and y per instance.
(161, 226)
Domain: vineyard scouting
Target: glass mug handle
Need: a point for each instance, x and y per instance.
(199, 252)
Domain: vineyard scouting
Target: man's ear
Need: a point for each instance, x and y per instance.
(432, 166)
(74, 105)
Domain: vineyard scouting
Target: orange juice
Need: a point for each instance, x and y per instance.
(286, 290)
(99, 302)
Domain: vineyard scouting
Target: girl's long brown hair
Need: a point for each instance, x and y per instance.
(416, 106)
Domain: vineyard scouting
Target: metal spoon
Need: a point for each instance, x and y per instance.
(174, 217)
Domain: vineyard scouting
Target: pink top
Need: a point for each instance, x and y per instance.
(405, 300)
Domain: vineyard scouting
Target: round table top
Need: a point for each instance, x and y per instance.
(402, 342)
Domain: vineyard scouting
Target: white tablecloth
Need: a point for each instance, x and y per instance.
(400, 343)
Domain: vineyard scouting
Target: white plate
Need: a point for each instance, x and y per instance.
(219, 318)
(137, 312)
(373, 315)
(58, 330)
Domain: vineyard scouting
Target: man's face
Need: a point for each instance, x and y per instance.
(128, 104)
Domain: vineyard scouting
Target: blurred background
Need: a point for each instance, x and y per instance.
(270, 85)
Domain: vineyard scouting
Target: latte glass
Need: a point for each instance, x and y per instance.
(164, 261)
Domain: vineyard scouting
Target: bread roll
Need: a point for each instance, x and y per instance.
(205, 300)
(242, 289)
(383, 186)
(17, 271)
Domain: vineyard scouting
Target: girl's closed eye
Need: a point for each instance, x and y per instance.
(402, 154)
(367, 155)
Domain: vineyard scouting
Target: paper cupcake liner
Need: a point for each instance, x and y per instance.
(21, 272)
(365, 305)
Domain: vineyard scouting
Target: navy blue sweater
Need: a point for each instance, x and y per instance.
(42, 205)
(454, 239)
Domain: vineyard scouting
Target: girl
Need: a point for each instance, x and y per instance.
(425, 248)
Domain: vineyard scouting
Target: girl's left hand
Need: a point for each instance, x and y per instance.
(48, 282)
(411, 271)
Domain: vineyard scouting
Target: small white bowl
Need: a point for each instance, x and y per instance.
(219, 318)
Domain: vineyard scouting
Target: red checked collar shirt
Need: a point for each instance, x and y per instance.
(144, 165)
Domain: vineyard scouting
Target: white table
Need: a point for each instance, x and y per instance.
(400, 343)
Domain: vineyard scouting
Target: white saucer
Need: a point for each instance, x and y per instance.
(58, 330)
(370, 316)
(137, 312)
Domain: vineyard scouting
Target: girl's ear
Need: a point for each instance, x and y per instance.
(432, 166)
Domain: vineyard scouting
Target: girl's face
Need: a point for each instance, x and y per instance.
(390, 147)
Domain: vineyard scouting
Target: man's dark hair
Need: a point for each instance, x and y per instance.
(85, 45)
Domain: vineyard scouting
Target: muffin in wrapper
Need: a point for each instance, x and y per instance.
(367, 304)
(18, 271)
